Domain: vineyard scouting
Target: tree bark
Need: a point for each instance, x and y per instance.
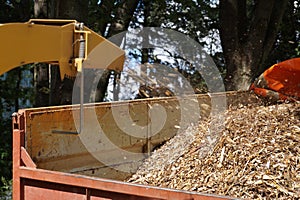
(247, 40)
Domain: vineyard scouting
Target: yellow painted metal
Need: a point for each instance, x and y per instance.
(56, 42)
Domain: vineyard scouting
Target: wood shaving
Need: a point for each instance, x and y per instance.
(255, 156)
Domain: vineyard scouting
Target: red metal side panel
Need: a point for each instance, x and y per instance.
(97, 188)
(38, 190)
(18, 142)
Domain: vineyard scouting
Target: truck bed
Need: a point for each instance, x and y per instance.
(50, 161)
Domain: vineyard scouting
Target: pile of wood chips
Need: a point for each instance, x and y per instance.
(256, 156)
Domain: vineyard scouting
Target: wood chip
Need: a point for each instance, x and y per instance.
(257, 156)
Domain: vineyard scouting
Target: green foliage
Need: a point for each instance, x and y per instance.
(16, 92)
(5, 155)
(15, 10)
(5, 189)
(298, 51)
(193, 18)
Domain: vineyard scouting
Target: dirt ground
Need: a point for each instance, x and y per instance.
(249, 152)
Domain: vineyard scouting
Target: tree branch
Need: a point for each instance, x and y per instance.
(276, 18)
(242, 21)
(105, 11)
(259, 24)
(124, 14)
(228, 24)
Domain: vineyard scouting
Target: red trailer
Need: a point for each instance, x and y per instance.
(45, 168)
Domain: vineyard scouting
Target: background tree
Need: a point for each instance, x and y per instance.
(123, 12)
(50, 89)
(287, 40)
(105, 17)
(14, 90)
(248, 30)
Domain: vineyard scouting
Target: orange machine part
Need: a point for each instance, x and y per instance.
(282, 78)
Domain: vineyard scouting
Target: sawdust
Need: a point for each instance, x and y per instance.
(256, 155)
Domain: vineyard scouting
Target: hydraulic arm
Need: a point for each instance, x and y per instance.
(63, 42)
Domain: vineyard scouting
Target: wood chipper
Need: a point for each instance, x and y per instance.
(50, 160)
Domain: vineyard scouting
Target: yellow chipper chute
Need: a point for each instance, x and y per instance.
(66, 43)
(63, 42)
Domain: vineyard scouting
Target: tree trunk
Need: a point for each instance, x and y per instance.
(41, 85)
(124, 14)
(41, 70)
(41, 9)
(61, 91)
(247, 40)
(105, 10)
(73, 9)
